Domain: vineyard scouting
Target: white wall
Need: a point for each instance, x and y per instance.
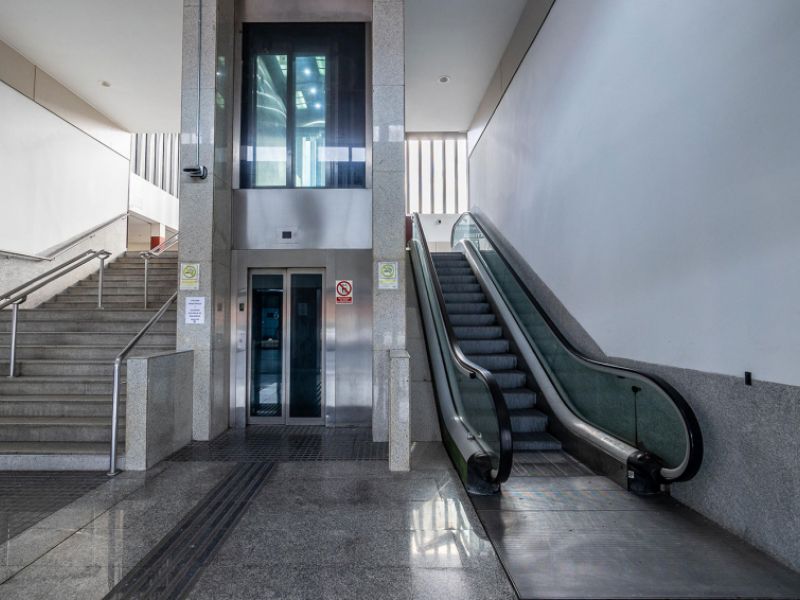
(55, 180)
(645, 162)
(153, 203)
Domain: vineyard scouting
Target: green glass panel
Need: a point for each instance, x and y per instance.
(629, 408)
(305, 363)
(310, 115)
(266, 347)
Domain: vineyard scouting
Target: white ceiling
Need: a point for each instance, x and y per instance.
(464, 39)
(133, 44)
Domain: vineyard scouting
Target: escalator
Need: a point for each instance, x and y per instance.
(509, 383)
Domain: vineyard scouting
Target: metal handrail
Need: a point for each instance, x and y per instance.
(153, 253)
(474, 370)
(69, 244)
(112, 467)
(20, 293)
(694, 454)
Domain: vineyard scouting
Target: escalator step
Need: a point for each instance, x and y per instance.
(527, 420)
(450, 271)
(492, 362)
(519, 398)
(443, 279)
(509, 380)
(457, 297)
(473, 320)
(454, 288)
(478, 333)
(484, 346)
(531, 441)
(467, 308)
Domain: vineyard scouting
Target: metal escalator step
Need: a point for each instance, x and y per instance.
(495, 362)
(455, 288)
(509, 380)
(467, 308)
(538, 440)
(527, 420)
(443, 279)
(459, 297)
(472, 332)
(478, 320)
(519, 398)
(484, 346)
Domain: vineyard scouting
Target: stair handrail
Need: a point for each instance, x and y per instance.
(694, 459)
(153, 253)
(112, 469)
(68, 245)
(19, 294)
(472, 369)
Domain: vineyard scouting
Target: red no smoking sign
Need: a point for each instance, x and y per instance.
(344, 291)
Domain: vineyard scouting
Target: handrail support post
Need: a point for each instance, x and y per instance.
(146, 273)
(100, 282)
(12, 356)
(112, 466)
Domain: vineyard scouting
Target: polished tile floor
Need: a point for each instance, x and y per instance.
(312, 529)
(221, 521)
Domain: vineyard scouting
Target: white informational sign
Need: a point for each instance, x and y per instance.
(195, 312)
(190, 276)
(388, 275)
(344, 291)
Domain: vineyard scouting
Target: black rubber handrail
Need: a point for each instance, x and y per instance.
(695, 437)
(506, 457)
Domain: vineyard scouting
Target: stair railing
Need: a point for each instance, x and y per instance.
(153, 253)
(112, 458)
(19, 294)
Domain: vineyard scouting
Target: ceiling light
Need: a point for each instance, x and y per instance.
(318, 106)
(307, 72)
(444, 79)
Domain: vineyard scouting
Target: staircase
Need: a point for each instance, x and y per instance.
(482, 339)
(56, 414)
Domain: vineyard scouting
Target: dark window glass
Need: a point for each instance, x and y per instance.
(303, 105)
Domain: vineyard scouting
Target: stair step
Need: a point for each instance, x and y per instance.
(107, 314)
(509, 380)
(495, 362)
(89, 353)
(57, 368)
(468, 320)
(527, 420)
(519, 398)
(532, 441)
(54, 406)
(39, 386)
(133, 305)
(499, 346)
(467, 308)
(112, 291)
(88, 326)
(90, 338)
(62, 429)
(59, 448)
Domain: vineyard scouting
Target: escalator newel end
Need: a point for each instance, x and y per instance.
(644, 474)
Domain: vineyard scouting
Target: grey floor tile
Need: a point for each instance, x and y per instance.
(48, 582)
(484, 583)
(30, 545)
(298, 583)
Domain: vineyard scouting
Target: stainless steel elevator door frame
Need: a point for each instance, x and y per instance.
(285, 418)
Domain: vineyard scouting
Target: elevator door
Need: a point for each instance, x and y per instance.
(286, 351)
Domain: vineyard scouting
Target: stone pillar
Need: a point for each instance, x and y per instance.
(205, 205)
(388, 199)
(399, 429)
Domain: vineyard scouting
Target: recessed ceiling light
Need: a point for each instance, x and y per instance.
(444, 79)
(105, 83)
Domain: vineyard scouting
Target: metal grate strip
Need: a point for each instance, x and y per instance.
(170, 569)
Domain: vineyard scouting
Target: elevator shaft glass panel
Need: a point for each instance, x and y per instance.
(305, 362)
(267, 347)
